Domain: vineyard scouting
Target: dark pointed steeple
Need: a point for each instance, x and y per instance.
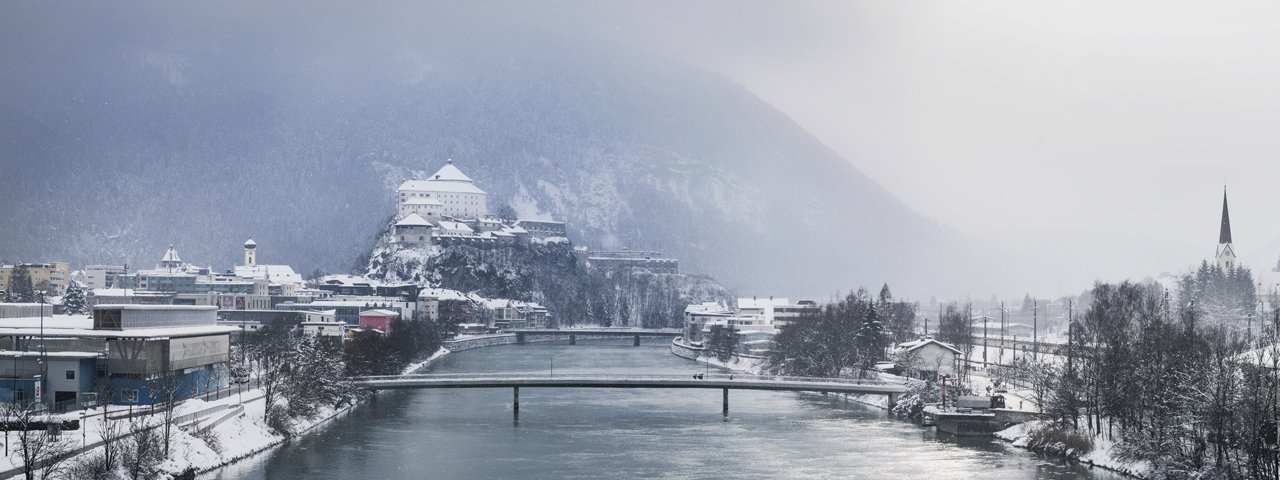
(1224, 235)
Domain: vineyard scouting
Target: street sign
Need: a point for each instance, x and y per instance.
(38, 388)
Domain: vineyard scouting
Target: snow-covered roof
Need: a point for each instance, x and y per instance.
(273, 273)
(516, 230)
(345, 279)
(153, 307)
(413, 220)
(378, 312)
(450, 173)
(447, 294)
(917, 344)
(448, 179)
(159, 332)
(423, 201)
(171, 256)
(20, 354)
(708, 308)
(250, 243)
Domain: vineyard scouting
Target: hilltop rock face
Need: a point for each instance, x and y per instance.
(551, 274)
(127, 130)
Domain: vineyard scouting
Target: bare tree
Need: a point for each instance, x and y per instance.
(142, 452)
(165, 391)
(39, 448)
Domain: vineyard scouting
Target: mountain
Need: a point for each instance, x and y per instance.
(129, 127)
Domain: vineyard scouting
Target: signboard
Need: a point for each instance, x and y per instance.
(197, 351)
(38, 387)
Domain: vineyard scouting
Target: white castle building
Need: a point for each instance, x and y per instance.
(448, 192)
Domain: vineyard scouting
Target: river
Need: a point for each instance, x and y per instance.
(623, 433)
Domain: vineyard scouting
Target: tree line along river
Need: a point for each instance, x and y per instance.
(625, 433)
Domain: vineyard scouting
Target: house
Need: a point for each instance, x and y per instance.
(378, 319)
(331, 330)
(412, 231)
(926, 358)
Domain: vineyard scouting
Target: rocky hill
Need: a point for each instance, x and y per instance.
(129, 127)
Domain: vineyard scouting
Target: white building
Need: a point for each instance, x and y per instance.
(457, 194)
(413, 231)
(102, 276)
(425, 207)
(282, 275)
(927, 358)
(777, 312)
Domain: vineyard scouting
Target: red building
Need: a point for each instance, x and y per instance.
(378, 319)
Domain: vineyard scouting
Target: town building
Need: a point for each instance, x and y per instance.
(457, 194)
(138, 352)
(102, 276)
(543, 229)
(378, 319)
(51, 278)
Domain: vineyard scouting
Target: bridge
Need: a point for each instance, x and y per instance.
(573, 333)
(725, 382)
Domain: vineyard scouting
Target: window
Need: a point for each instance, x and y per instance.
(129, 395)
(71, 374)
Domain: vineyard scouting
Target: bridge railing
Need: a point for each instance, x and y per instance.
(629, 376)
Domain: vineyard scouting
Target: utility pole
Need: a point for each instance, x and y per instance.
(985, 321)
(1035, 327)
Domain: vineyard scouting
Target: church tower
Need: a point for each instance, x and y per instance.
(250, 253)
(1226, 254)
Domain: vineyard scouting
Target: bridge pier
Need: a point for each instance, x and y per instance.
(515, 403)
(573, 339)
(637, 342)
(726, 402)
(893, 400)
(519, 339)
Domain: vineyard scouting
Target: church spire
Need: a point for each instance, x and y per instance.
(1226, 256)
(1224, 235)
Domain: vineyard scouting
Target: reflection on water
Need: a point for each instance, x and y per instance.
(621, 433)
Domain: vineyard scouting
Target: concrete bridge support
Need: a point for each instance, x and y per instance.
(573, 339)
(515, 403)
(893, 400)
(520, 339)
(726, 402)
(637, 342)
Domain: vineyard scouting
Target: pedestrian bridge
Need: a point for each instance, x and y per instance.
(724, 382)
(574, 333)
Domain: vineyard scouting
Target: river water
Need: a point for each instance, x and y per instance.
(624, 433)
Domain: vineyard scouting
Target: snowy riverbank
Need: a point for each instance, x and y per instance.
(1102, 455)
(213, 434)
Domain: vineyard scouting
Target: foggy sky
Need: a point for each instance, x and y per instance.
(1092, 137)
(1095, 136)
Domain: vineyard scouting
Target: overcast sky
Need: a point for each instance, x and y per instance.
(1097, 134)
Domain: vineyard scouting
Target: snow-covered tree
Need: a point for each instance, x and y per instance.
(74, 301)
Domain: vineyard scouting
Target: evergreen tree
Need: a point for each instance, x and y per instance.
(20, 285)
(722, 342)
(870, 336)
(73, 301)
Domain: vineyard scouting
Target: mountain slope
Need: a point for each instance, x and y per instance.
(131, 128)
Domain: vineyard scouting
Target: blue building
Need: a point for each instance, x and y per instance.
(135, 354)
